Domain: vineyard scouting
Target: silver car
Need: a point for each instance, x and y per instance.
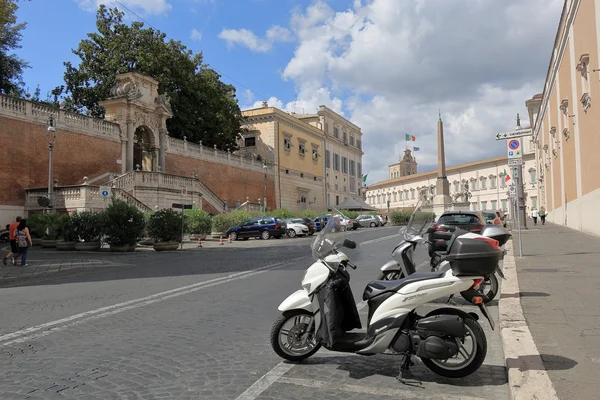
(368, 220)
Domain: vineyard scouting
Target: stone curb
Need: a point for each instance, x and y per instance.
(527, 376)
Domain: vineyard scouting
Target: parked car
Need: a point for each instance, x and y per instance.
(4, 236)
(295, 228)
(368, 220)
(352, 224)
(381, 219)
(492, 217)
(310, 224)
(449, 221)
(261, 227)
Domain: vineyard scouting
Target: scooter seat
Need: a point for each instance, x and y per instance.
(375, 288)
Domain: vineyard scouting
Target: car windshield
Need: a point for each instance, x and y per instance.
(421, 218)
(490, 215)
(330, 237)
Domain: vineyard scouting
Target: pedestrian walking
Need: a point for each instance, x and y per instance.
(543, 215)
(12, 230)
(535, 214)
(23, 239)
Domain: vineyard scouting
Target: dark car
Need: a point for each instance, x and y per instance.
(320, 222)
(449, 221)
(310, 224)
(261, 227)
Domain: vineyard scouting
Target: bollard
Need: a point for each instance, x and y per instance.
(221, 240)
(229, 241)
(199, 242)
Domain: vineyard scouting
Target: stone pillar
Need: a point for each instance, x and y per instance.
(161, 149)
(129, 145)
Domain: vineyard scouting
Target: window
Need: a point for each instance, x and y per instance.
(351, 140)
(395, 197)
(344, 165)
(484, 205)
(302, 149)
(327, 159)
(287, 144)
(456, 186)
(534, 202)
(473, 206)
(250, 141)
(412, 194)
(483, 183)
(326, 127)
(400, 195)
(352, 168)
(493, 182)
(504, 203)
(337, 200)
(336, 162)
(336, 133)
(345, 138)
(359, 170)
(358, 144)
(494, 205)
(532, 176)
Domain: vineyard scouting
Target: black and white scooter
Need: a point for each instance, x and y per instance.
(449, 341)
(403, 263)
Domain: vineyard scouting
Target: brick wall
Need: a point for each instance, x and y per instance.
(24, 158)
(227, 182)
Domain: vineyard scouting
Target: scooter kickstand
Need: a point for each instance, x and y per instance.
(405, 376)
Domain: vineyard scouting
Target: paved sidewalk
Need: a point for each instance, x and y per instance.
(559, 278)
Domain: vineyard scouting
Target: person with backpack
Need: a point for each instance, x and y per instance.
(23, 239)
(12, 230)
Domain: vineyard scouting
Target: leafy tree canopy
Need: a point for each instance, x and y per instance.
(204, 108)
(11, 66)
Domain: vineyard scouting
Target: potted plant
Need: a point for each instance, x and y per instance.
(88, 228)
(65, 233)
(46, 226)
(123, 225)
(199, 223)
(36, 223)
(165, 228)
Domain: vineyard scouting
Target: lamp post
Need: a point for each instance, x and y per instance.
(51, 137)
(265, 188)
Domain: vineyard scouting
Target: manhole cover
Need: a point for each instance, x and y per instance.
(540, 270)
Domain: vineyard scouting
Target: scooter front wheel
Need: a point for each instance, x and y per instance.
(291, 338)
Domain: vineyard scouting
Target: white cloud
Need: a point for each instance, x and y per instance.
(249, 39)
(196, 35)
(148, 7)
(390, 65)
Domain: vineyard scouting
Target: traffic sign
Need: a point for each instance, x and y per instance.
(105, 191)
(515, 162)
(184, 206)
(513, 148)
(184, 191)
(514, 134)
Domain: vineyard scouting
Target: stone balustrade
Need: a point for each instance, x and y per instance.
(30, 111)
(193, 150)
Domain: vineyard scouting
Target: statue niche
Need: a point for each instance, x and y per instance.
(144, 149)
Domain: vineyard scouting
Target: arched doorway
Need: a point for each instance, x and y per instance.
(143, 149)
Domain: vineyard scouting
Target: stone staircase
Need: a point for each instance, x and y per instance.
(146, 190)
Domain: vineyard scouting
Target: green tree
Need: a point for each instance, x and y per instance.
(204, 108)
(11, 66)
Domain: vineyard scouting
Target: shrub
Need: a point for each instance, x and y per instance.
(123, 223)
(400, 217)
(308, 214)
(65, 228)
(282, 213)
(350, 214)
(165, 226)
(87, 225)
(198, 221)
(37, 225)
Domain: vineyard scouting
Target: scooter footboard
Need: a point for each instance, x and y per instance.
(298, 300)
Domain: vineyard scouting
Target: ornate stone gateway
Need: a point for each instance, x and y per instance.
(134, 103)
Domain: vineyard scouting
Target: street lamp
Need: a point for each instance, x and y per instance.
(51, 137)
(265, 188)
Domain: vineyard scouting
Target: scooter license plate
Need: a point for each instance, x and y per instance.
(486, 314)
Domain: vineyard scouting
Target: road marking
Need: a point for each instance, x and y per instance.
(381, 239)
(275, 374)
(64, 323)
(527, 375)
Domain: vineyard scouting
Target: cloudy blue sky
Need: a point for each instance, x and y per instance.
(387, 65)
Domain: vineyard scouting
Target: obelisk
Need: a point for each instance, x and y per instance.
(442, 200)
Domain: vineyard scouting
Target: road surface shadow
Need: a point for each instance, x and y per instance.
(550, 362)
(524, 294)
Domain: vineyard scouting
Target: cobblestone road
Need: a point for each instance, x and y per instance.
(195, 325)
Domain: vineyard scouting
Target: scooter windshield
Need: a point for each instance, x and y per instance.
(421, 219)
(331, 236)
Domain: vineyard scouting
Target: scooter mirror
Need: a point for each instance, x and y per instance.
(349, 244)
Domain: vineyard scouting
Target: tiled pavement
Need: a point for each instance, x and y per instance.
(559, 278)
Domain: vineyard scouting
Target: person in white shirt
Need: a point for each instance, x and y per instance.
(535, 214)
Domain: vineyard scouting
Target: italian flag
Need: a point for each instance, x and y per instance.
(506, 176)
(410, 138)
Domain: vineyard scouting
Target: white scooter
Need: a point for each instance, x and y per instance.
(449, 341)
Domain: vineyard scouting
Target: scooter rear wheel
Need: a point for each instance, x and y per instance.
(287, 342)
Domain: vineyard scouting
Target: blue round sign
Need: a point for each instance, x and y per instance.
(105, 193)
(513, 144)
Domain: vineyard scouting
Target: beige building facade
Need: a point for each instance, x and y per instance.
(296, 148)
(566, 121)
(405, 167)
(485, 181)
(343, 154)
